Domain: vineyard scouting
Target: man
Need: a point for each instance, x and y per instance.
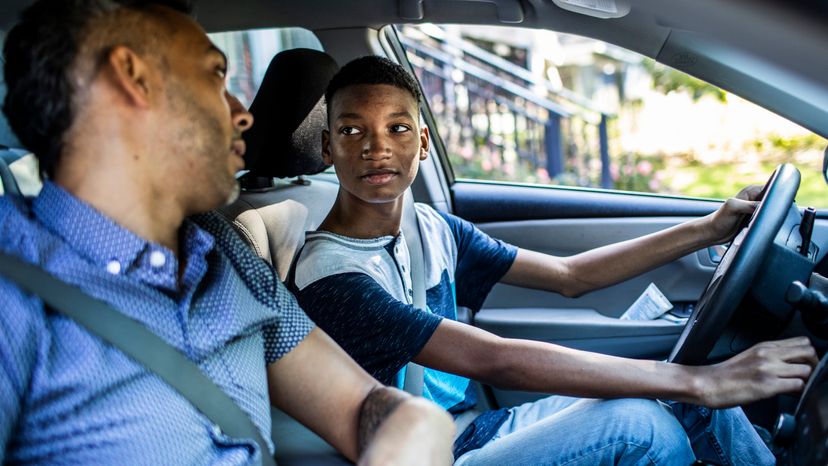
(352, 278)
(124, 103)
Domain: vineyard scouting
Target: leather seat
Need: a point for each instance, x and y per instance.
(277, 204)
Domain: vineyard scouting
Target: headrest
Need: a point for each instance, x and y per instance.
(289, 116)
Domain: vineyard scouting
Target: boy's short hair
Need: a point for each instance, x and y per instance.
(372, 69)
(41, 52)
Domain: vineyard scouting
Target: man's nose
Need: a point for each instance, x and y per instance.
(242, 119)
(376, 146)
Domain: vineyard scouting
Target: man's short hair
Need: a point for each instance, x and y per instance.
(43, 53)
(372, 70)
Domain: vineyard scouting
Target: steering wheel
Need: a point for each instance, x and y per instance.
(737, 269)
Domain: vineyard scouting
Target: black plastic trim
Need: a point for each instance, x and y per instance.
(494, 202)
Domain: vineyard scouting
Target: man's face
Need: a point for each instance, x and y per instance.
(375, 141)
(200, 123)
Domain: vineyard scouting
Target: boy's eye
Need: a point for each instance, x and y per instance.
(399, 128)
(221, 71)
(349, 131)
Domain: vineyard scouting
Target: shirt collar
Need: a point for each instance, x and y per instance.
(88, 231)
(107, 244)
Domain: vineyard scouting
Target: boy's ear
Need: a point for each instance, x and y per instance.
(130, 74)
(326, 147)
(424, 141)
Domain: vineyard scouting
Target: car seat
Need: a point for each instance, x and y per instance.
(278, 204)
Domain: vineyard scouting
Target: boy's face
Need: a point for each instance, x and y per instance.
(374, 141)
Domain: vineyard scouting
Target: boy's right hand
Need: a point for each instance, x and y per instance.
(766, 369)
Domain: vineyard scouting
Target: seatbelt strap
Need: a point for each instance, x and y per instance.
(10, 187)
(136, 341)
(413, 382)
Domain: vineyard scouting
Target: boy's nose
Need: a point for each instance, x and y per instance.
(376, 147)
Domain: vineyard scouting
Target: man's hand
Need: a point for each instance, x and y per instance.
(412, 431)
(722, 224)
(325, 390)
(764, 370)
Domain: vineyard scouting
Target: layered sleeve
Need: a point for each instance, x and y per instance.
(378, 331)
(481, 261)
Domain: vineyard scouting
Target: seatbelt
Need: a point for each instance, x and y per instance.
(137, 342)
(413, 382)
(10, 187)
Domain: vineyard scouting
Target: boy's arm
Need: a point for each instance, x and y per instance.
(762, 371)
(607, 265)
(320, 386)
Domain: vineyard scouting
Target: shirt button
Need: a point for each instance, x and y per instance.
(410, 292)
(403, 268)
(157, 259)
(397, 249)
(113, 267)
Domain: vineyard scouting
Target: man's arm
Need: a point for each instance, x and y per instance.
(762, 371)
(10, 389)
(19, 339)
(320, 386)
(614, 263)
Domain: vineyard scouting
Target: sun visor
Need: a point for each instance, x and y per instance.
(604, 9)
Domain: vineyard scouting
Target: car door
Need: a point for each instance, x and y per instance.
(543, 216)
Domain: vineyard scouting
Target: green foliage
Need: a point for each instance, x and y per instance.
(638, 172)
(666, 80)
(794, 144)
(723, 180)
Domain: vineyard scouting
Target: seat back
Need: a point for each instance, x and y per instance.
(272, 212)
(284, 142)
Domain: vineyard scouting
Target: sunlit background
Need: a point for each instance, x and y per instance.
(534, 106)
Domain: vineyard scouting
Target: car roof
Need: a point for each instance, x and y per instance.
(772, 53)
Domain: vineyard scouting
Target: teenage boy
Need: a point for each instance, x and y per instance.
(124, 104)
(352, 277)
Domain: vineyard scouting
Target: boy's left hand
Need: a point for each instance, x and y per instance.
(723, 224)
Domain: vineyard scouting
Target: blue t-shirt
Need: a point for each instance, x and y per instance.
(359, 291)
(66, 397)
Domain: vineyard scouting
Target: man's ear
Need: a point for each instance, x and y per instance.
(130, 75)
(424, 141)
(326, 147)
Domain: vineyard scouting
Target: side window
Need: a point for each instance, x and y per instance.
(22, 166)
(249, 53)
(533, 106)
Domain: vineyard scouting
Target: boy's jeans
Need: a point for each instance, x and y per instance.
(568, 431)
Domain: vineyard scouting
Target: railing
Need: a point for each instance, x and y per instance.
(495, 123)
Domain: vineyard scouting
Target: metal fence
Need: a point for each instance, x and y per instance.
(501, 122)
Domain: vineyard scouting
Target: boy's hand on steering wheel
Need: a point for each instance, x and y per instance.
(723, 224)
(764, 370)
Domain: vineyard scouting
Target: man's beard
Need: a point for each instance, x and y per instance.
(200, 134)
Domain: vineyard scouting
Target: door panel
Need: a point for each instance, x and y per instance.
(682, 280)
(564, 222)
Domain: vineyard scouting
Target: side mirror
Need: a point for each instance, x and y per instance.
(825, 166)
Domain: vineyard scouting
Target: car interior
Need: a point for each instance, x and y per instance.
(760, 288)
